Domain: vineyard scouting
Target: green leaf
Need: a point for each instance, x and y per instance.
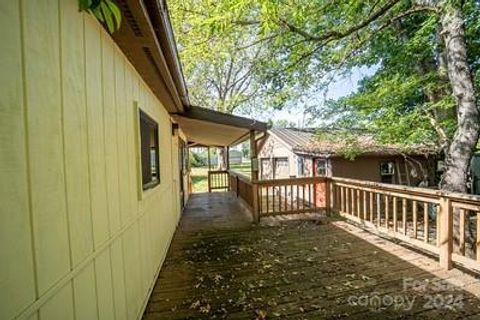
(97, 12)
(85, 4)
(107, 14)
(117, 14)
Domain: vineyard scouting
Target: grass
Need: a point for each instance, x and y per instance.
(199, 175)
(199, 179)
(243, 168)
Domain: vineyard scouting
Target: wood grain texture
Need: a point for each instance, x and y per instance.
(220, 266)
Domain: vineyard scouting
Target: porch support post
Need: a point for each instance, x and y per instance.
(209, 169)
(254, 175)
(208, 159)
(227, 157)
(253, 156)
(445, 216)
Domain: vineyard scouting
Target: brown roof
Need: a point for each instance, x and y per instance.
(307, 142)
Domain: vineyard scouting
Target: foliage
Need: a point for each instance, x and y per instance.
(224, 70)
(350, 141)
(106, 11)
(196, 160)
(199, 177)
(408, 99)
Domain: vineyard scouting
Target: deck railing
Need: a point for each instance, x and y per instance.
(443, 223)
(218, 180)
(291, 196)
(243, 187)
(433, 220)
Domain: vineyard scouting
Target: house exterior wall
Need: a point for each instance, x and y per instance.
(368, 168)
(78, 237)
(275, 148)
(362, 167)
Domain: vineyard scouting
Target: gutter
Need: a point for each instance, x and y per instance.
(168, 44)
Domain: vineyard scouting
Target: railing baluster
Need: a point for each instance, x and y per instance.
(478, 236)
(404, 216)
(386, 211)
(303, 193)
(268, 200)
(358, 204)
(298, 200)
(342, 199)
(352, 201)
(378, 199)
(370, 196)
(364, 199)
(395, 214)
(414, 209)
(462, 231)
(437, 225)
(425, 222)
(291, 198)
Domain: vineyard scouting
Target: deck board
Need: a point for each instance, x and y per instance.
(220, 266)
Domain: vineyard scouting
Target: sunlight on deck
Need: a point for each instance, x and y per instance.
(221, 266)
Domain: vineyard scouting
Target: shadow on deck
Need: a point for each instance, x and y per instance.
(220, 266)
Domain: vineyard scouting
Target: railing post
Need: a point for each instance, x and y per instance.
(208, 181)
(236, 183)
(255, 213)
(330, 196)
(445, 215)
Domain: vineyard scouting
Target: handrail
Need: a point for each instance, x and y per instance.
(241, 176)
(419, 216)
(218, 179)
(422, 217)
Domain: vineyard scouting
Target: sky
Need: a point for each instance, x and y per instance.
(340, 87)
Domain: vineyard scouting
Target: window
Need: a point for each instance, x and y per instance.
(386, 171)
(320, 167)
(149, 151)
(301, 166)
(386, 168)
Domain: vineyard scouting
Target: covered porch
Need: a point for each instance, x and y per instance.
(220, 265)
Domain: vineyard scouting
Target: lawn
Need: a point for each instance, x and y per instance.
(199, 179)
(199, 175)
(243, 168)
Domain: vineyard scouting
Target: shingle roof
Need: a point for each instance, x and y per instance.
(306, 142)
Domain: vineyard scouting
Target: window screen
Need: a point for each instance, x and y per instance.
(149, 151)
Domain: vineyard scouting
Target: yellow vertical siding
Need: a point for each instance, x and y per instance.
(17, 287)
(77, 238)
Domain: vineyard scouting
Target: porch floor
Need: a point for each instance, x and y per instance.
(220, 266)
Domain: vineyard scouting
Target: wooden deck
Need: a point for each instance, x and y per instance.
(220, 266)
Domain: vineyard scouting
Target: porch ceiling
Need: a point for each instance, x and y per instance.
(211, 128)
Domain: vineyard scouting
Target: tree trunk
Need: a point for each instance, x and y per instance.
(457, 160)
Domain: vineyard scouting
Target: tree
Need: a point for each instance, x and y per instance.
(223, 70)
(425, 52)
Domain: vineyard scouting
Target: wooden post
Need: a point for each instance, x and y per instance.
(208, 181)
(445, 217)
(478, 238)
(253, 156)
(330, 195)
(208, 159)
(256, 214)
(227, 157)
